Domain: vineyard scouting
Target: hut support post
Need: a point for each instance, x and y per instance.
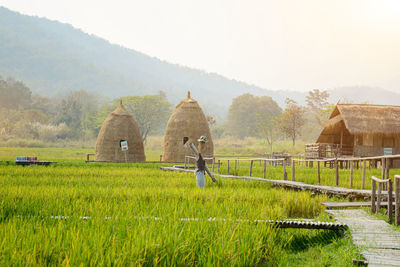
(341, 139)
(397, 199)
(319, 172)
(390, 200)
(293, 171)
(351, 173)
(363, 174)
(373, 196)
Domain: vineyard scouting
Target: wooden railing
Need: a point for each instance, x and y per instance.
(377, 197)
(275, 162)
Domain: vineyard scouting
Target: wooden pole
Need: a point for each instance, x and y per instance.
(390, 200)
(185, 161)
(383, 168)
(251, 167)
(293, 171)
(373, 196)
(363, 174)
(219, 164)
(319, 172)
(227, 168)
(236, 167)
(284, 170)
(387, 168)
(265, 169)
(341, 139)
(213, 164)
(378, 197)
(351, 173)
(337, 172)
(397, 199)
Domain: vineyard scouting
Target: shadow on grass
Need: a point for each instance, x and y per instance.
(304, 241)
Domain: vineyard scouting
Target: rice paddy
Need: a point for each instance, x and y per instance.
(135, 215)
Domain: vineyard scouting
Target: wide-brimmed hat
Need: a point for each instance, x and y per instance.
(203, 138)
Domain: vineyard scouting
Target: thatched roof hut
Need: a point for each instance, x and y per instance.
(186, 124)
(364, 128)
(119, 126)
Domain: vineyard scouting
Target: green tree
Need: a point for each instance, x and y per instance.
(267, 129)
(14, 94)
(242, 115)
(292, 119)
(151, 112)
(78, 111)
(317, 101)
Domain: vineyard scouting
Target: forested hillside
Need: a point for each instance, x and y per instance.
(52, 58)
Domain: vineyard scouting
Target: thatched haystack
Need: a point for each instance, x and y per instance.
(119, 126)
(186, 124)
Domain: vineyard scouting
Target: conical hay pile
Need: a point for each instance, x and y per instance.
(187, 121)
(118, 126)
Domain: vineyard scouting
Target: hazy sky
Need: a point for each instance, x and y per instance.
(281, 44)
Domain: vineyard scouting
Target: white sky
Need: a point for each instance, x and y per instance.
(280, 44)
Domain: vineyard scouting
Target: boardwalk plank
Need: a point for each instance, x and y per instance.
(379, 241)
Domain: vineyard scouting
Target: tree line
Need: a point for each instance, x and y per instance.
(79, 115)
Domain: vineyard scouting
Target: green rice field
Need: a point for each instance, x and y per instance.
(91, 214)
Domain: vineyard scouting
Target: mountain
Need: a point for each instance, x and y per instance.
(52, 57)
(364, 94)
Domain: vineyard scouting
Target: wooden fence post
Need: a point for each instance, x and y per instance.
(236, 167)
(337, 172)
(363, 174)
(351, 173)
(227, 168)
(284, 170)
(319, 172)
(373, 195)
(251, 167)
(219, 165)
(383, 168)
(378, 197)
(185, 161)
(397, 199)
(390, 200)
(387, 167)
(213, 164)
(293, 171)
(265, 169)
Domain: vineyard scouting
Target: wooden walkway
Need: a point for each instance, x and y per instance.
(329, 190)
(379, 242)
(342, 205)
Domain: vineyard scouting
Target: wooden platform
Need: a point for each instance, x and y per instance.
(342, 205)
(379, 242)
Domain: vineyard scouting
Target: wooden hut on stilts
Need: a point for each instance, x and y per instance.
(359, 130)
